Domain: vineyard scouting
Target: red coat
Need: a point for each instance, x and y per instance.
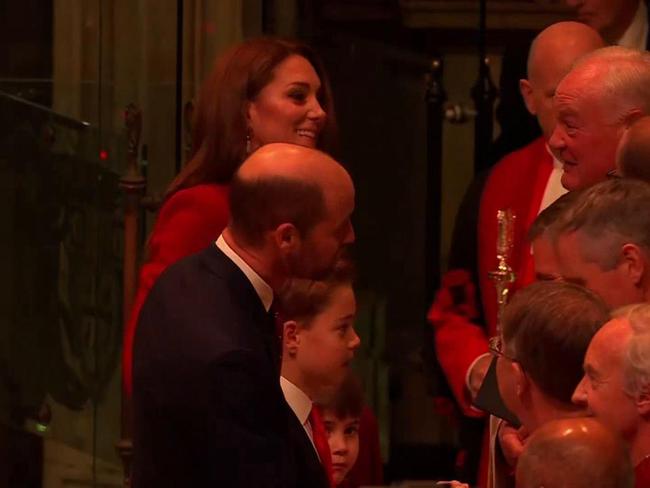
(187, 223)
(517, 182)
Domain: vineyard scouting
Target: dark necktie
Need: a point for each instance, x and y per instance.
(320, 442)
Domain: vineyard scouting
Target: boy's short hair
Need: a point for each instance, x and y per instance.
(303, 299)
(348, 399)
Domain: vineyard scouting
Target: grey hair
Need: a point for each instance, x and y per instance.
(608, 215)
(623, 77)
(636, 359)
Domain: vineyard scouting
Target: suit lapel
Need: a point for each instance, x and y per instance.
(221, 265)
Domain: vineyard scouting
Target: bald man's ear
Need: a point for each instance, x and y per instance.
(287, 237)
(634, 263)
(290, 337)
(526, 91)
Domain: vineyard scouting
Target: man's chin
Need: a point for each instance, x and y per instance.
(569, 180)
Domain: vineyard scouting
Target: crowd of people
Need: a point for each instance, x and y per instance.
(238, 350)
(570, 345)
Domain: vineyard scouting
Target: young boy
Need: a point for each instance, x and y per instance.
(318, 344)
(342, 417)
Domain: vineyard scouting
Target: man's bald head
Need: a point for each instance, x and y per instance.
(633, 155)
(551, 56)
(295, 202)
(598, 457)
(290, 161)
(282, 183)
(560, 45)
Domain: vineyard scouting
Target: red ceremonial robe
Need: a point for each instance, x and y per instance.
(516, 182)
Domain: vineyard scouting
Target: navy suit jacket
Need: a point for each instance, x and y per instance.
(208, 407)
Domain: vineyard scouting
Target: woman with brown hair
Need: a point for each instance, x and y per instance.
(261, 91)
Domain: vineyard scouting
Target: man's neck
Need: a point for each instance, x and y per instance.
(257, 260)
(543, 409)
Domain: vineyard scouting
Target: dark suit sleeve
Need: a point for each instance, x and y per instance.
(249, 424)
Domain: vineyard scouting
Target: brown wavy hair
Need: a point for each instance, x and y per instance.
(219, 122)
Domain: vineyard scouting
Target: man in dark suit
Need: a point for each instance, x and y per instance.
(208, 406)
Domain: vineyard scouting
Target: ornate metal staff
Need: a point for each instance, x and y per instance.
(503, 276)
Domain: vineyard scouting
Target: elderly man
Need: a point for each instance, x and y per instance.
(616, 384)
(544, 320)
(602, 241)
(599, 98)
(208, 406)
(633, 154)
(597, 456)
(621, 22)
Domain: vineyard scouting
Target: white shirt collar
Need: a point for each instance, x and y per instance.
(297, 400)
(262, 288)
(636, 35)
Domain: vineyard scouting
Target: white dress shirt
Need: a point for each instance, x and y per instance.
(301, 405)
(554, 188)
(262, 288)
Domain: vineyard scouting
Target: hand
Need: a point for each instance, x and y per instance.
(477, 374)
(452, 484)
(512, 442)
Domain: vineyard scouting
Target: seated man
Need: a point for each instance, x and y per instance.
(598, 457)
(544, 320)
(616, 384)
(602, 241)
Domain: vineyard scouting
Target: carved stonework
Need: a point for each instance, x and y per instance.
(501, 14)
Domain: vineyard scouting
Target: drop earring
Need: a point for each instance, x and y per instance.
(248, 144)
